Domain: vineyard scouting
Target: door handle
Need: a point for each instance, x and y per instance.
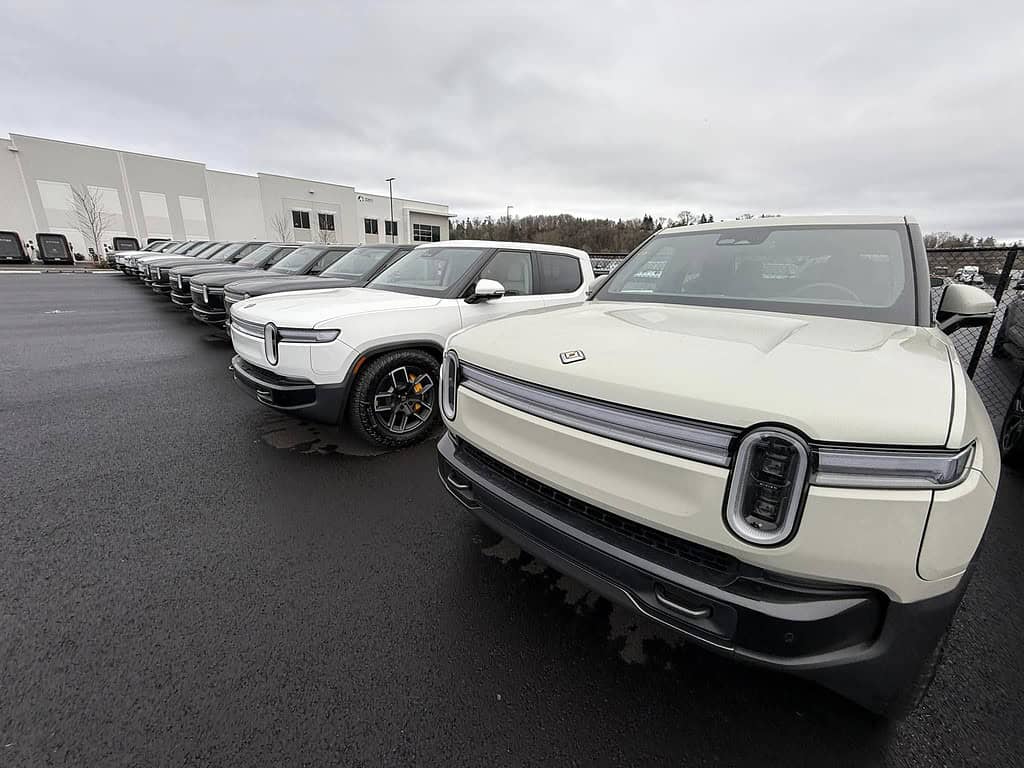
(690, 613)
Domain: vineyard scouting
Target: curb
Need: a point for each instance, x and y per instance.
(59, 272)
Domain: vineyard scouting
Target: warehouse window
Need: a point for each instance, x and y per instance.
(370, 226)
(300, 219)
(426, 233)
(325, 221)
(391, 228)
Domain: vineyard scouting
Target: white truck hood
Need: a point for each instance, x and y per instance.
(319, 309)
(836, 380)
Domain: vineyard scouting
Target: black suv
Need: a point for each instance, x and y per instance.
(355, 268)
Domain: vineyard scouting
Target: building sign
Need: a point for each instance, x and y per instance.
(364, 199)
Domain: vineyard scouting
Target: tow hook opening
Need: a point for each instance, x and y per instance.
(459, 486)
(684, 607)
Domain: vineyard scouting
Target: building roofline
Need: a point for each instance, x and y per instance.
(403, 199)
(306, 181)
(15, 136)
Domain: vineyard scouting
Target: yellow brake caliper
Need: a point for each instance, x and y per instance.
(417, 388)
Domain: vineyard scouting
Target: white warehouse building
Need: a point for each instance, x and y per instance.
(145, 196)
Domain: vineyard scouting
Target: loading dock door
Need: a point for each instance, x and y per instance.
(54, 249)
(11, 249)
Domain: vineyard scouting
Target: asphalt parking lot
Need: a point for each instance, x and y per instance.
(189, 579)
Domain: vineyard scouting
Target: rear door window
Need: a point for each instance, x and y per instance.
(559, 273)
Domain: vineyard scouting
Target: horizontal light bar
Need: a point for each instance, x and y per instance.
(307, 335)
(894, 469)
(661, 433)
(246, 327)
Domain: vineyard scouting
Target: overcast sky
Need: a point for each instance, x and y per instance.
(593, 108)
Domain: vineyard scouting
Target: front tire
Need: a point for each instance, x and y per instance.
(1011, 436)
(394, 399)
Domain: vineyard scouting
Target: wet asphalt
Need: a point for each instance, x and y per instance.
(188, 579)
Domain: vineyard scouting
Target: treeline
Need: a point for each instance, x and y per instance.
(592, 235)
(949, 240)
(623, 235)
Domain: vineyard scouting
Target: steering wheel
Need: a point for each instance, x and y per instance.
(842, 289)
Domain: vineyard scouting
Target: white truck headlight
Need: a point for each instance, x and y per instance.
(308, 335)
(273, 336)
(449, 384)
(767, 486)
(899, 469)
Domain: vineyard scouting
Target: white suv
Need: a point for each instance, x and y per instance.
(374, 352)
(752, 433)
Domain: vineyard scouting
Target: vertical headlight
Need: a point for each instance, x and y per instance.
(449, 384)
(270, 342)
(767, 486)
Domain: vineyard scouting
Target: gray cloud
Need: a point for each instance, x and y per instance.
(614, 109)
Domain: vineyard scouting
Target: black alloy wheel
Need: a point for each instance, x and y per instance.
(394, 398)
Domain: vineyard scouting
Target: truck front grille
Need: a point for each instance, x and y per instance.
(710, 565)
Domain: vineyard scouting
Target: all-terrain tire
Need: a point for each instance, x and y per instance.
(370, 394)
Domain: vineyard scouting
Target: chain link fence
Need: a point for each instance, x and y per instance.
(996, 376)
(603, 263)
(999, 269)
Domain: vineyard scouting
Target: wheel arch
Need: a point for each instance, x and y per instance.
(432, 348)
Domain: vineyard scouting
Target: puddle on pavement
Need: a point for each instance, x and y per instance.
(309, 437)
(629, 633)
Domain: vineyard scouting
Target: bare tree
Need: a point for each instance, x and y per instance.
(324, 236)
(685, 219)
(282, 228)
(94, 221)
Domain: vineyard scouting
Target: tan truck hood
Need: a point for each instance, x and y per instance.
(835, 380)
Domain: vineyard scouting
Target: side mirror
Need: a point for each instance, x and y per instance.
(596, 285)
(937, 282)
(485, 289)
(964, 306)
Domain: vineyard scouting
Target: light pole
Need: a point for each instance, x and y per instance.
(391, 198)
(508, 214)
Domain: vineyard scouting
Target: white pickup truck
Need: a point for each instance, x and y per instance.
(788, 466)
(372, 354)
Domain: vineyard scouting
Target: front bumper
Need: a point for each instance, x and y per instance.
(209, 315)
(181, 298)
(298, 397)
(851, 639)
(208, 307)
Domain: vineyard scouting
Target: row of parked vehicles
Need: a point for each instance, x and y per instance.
(754, 433)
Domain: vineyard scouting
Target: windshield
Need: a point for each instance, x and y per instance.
(857, 272)
(226, 252)
(358, 263)
(258, 256)
(207, 250)
(298, 260)
(428, 271)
